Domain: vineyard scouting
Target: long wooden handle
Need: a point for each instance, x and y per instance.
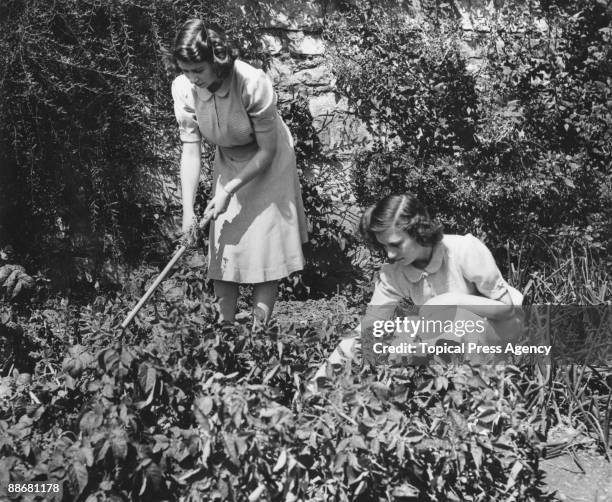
(177, 255)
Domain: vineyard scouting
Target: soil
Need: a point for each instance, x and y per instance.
(580, 473)
(314, 312)
(580, 476)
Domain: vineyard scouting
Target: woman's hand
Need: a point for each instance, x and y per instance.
(189, 228)
(218, 204)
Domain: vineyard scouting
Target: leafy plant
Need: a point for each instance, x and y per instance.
(332, 243)
(91, 149)
(181, 408)
(512, 155)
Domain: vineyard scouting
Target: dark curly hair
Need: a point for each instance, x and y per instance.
(404, 212)
(196, 42)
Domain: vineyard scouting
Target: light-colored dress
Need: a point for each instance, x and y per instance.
(459, 264)
(259, 238)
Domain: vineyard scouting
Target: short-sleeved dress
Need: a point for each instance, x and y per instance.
(259, 238)
(459, 264)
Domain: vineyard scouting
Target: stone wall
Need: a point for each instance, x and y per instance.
(292, 33)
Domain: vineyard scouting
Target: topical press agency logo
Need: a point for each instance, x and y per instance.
(535, 333)
(449, 332)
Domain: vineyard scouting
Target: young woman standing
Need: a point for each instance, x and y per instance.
(258, 217)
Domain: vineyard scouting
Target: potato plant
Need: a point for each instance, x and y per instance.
(178, 408)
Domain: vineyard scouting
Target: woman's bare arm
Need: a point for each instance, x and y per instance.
(190, 177)
(479, 305)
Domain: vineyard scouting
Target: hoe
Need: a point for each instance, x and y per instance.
(177, 255)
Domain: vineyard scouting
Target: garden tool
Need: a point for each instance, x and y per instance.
(177, 255)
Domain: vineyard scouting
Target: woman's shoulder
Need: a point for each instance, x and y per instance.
(462, 248)
(244, 71)
(181, 86)
(251, 80)
(469, 252)
(395, 274)
(454, 241)
(255, 89)
(390, 286)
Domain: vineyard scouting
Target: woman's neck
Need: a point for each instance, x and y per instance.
(214, 87)
(425, 257)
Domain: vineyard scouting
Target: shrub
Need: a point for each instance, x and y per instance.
(80, 125)
(518, 154)
(332, 241)
(92, 146)
(180, 409)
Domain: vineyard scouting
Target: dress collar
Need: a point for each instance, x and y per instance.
(205, 95)
(415, 274)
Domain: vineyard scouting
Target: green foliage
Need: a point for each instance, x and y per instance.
(520, 152)
(410, 86)
(92, 146)
(180, 408)
(14, 281)
(557, 115)
(77, 114)
(332, 242)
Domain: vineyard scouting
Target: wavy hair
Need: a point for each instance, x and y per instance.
(404, 212)
(196, 42)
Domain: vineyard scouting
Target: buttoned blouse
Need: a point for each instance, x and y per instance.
(234, 121)
(459, 264)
